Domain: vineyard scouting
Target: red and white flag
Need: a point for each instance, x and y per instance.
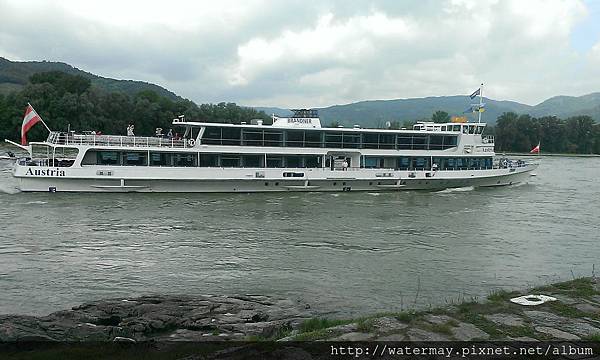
(31, 118)
(536, 149)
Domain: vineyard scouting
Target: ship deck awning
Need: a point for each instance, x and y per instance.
(336, 129)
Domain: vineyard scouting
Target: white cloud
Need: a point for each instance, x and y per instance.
(312, 53)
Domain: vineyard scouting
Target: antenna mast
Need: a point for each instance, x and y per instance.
(480, 102)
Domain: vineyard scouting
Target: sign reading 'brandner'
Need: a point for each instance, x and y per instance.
(299, 121)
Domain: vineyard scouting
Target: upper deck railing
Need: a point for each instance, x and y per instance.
(62, 138)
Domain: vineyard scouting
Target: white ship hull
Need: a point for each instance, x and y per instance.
(293, 154)
(205, 180)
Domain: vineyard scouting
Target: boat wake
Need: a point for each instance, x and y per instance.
(6, 189)
(35, 202)
(453, 190)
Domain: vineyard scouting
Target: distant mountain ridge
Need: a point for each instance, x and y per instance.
(376, 112)
(14, 75)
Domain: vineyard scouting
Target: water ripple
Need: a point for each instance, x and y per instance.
(362, 252)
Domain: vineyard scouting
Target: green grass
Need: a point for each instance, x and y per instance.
(444, 328)
(580, 287)
(313, 335)
(594, 337)
(366, 325)
(281, 332)
(519, 331)
(321, 323)
(483, 324)
(470, 311)
(408, 316)
(501, 295)
(563, 309)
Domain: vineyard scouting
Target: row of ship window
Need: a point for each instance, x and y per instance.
(320, 139)
(428, 163)
(170, 159)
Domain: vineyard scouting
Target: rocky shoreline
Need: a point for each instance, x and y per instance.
(574, 316)
(161, 317)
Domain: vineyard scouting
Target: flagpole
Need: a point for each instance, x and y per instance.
(480, 102)
(42, 120)
(47, 128)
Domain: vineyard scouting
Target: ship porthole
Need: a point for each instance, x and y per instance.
(334, 184)
(266, 184)
(370, 183)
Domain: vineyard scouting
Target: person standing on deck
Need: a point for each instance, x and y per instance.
(345, 165)
(130, 130)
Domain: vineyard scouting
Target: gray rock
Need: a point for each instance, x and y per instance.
(587, 308)
(437, 319)
(197, 318)
(544, 318)
(264, 329)
(466, 332)
(346, 328)
(188, 335)
(522, 338)
(580, 328)
(556, 334)
(565, 299)
(505, 319)
(386, 324)
(354, 336)
(596, 299)
(392, 337)
(596, 284)
(123, 339)
(416, 334)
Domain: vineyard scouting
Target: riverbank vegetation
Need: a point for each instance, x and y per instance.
(574, 135)
(575, 315)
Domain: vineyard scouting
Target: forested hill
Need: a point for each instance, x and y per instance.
(14, 75)
(71, 101)
(380, 111)
(376, 113)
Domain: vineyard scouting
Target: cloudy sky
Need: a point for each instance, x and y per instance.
(318, 53)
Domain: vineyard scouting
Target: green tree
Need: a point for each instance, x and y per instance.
(440, 117)
(68, 101)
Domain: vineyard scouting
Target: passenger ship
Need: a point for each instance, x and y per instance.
(293, 154)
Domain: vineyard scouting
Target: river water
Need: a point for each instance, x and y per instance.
(345, 253)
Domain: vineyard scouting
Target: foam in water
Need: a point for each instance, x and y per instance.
(7, 189)
(452, 190)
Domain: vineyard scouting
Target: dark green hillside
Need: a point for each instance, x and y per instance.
(377, 112)
(70, 101)
(14, 75)
(563, 106)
